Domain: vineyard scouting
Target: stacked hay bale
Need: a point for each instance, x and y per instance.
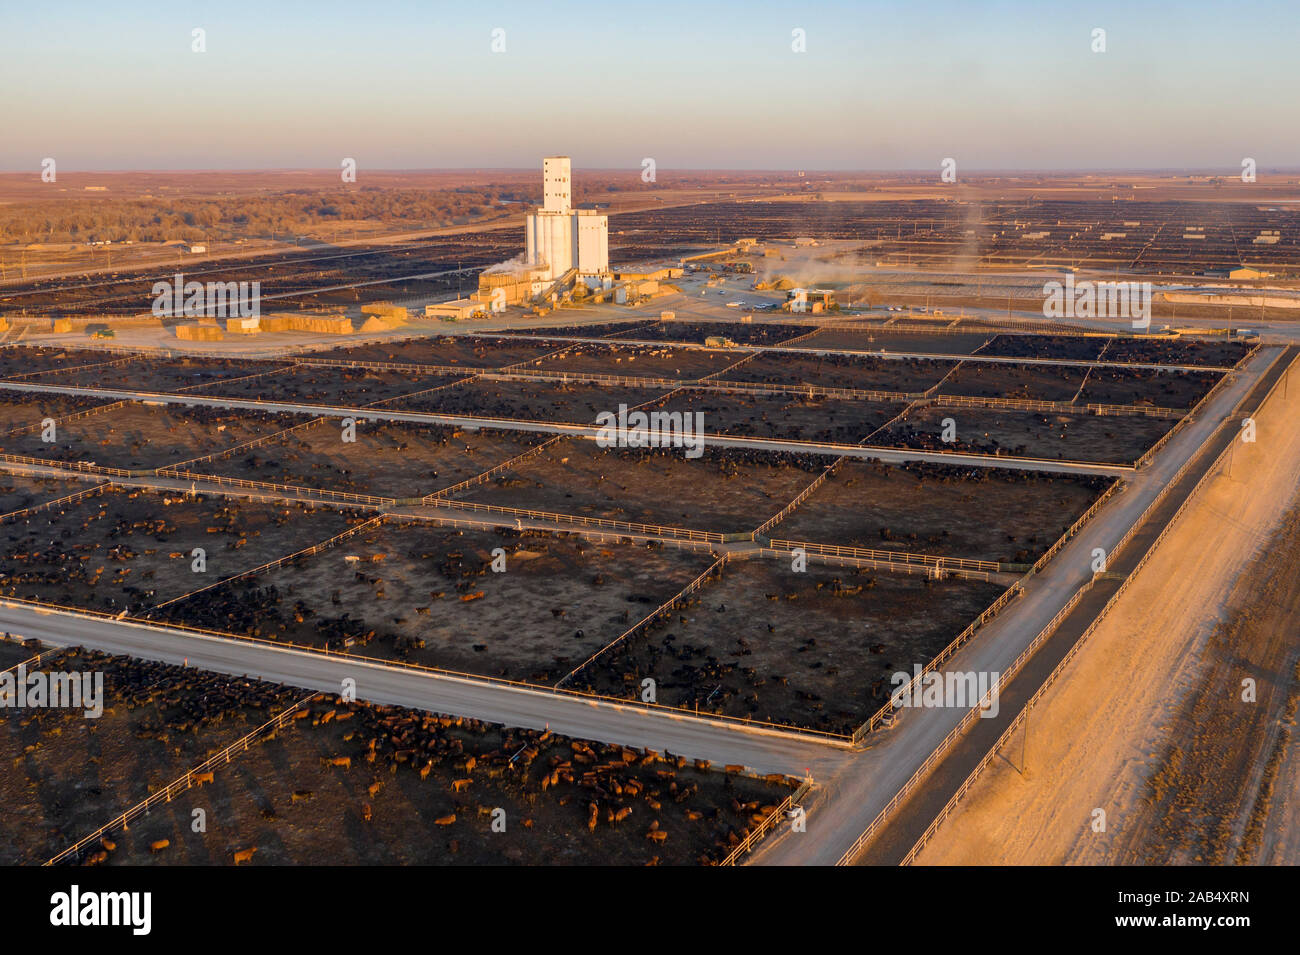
(199, 333)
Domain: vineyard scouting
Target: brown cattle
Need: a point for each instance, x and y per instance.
(445, 820)
(244, 855)
(159, 846)
(460, 785)
(200, 778)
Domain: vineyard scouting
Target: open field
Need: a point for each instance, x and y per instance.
(130, 550)
(721, 491)
(66, 775)
(815, 649)
(414, 788)
(387, 458)
(138, 435)
(429, 595)
(941, 510)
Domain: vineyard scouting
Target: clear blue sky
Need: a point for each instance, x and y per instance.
(883, 85)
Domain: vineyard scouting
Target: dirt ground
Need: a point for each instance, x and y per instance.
(19, 410)
(21, 361)
(12, 653)
(910, 376)
(388, 458)
(1148, 722)
(428, 594)
(139, 436)
(639, 361)
(133, 549)
(1219, 354)
(941, 510)
(875, 339)
(1065, 347)
(569, 402)
(18, 491)
(167, 375)
(472, 352)
(429, 795)
(723, 491)
(66, 775)
(1110, 439)
(1113, 386)
(329, 385)
(739, 332)
(791, 417)
(815, 649)
(1036, 382)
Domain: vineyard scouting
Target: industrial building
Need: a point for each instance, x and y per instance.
(560, 238)
(563, 246)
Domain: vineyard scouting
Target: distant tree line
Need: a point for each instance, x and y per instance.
(227, 217)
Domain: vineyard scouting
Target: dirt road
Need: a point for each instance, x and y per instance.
(1147, 723)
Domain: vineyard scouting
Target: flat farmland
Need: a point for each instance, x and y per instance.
(387, 459)
(564, 401)
(906, 375)
(1106, 439)
(137, 435)
(330, 385)
(640, 361)
(427, 791)
(876, 339)
(130, 550)
(815, 650)
(941, 510)
(721, 491)
(789, 417)
(428, 595)
(67, 775)
(469, 351)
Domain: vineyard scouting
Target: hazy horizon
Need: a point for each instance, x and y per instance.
(884, 87)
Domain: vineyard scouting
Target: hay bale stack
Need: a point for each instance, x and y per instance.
(394, 315)
(199, 333)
